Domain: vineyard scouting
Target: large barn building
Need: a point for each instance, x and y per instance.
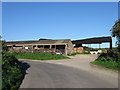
(63, 46)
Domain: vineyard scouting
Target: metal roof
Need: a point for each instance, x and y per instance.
(95, 40)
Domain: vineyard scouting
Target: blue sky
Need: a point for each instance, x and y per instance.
(58, 20)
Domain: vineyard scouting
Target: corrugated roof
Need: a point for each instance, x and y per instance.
(94, 40)
(47, 41)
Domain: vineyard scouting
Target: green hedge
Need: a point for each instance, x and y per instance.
(109, 56)
(11, 72)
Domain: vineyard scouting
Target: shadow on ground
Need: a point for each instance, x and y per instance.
(25, 66)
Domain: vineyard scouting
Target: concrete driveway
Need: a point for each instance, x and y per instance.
(76, 72)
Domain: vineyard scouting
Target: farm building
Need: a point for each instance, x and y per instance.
(63, 46)
(96, 40)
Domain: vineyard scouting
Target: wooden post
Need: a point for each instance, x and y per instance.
(99, 46)
(23, 49)
(110, 44)
(55, 49)
(32, 48)
(50, 46)
(36, 46)
(12, 49)
(66, 50)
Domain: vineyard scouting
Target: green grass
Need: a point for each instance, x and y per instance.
(110, 60)
(73, 54)
(107, 64)
(39, 56)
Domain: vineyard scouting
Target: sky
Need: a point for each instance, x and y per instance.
(58, 20)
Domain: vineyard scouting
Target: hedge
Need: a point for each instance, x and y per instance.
(11, 72)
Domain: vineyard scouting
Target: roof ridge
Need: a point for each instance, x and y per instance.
(39, 40)
(22, 41)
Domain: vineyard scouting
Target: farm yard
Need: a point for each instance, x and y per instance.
(59, 45)
(76, 72)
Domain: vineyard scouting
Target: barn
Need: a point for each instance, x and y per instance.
(61, 46)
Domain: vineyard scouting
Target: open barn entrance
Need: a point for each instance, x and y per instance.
(97, 40)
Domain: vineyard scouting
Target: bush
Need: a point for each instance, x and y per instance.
(109, 60)
(11, 72)
(112, 55)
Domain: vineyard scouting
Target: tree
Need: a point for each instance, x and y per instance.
(4, 47)
(0, 36)
(2, 44)
(116, 32)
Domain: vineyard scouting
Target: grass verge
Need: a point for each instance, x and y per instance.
(107, 64)
(39, 56)
(73, 54)
(110, 60)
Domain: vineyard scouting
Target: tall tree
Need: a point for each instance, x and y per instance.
(116, 32)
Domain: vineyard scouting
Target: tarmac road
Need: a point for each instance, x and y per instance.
(70, 73)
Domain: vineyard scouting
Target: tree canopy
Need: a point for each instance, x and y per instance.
(116, 32)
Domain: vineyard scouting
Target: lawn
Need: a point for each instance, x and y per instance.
(39, 56)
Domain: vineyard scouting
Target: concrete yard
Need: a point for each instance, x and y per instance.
(76, 72)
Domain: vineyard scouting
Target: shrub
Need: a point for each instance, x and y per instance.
(11, 71)
(109, 60)
(112, 55)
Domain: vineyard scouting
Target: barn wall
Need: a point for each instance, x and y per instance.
(20, 49)
(34, 48)
(70, 48)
